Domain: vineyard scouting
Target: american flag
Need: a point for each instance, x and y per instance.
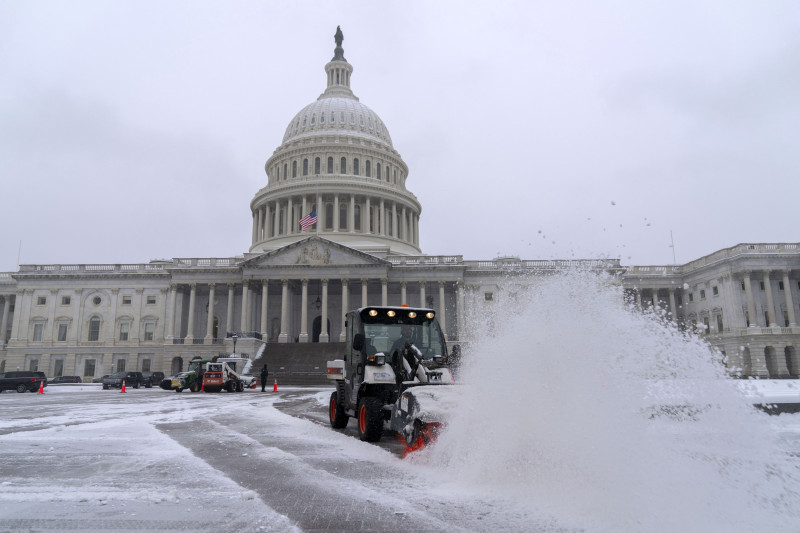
(309, 220)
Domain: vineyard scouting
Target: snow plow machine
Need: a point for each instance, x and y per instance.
(395, 370)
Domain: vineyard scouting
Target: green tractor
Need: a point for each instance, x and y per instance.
(192, 379)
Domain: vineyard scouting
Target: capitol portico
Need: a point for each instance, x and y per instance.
(334, 228)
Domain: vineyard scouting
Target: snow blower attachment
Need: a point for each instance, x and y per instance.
(395, 370)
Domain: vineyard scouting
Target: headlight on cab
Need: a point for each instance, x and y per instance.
(376, 359)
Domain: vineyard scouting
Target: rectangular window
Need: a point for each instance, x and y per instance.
(706, 325)
(123, 331)
(151, 300)
(41, 300)
(149, 328)
(702, 294)
(780, 285)
(33, 366)
(719, 323)
(488, 296)
(691, 296)
(66, 300)
(88, 367)
(120, 365)
(145, 365)
(94, 329)
(62, 332)
(37, 332)
(715, 290)
(678, 300)
(126, 300)
(58, 368)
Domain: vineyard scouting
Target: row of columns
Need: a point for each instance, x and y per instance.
(772, 320)
(4, 318)
(267, 218)
(283, 337)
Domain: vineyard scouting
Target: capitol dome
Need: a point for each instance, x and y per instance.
(337, 162)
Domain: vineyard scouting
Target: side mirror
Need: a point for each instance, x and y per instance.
(358, 342)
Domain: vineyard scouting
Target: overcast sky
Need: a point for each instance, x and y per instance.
(137, 130)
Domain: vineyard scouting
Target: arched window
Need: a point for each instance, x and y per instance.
(395, 176)
(341, 117)
(317, 165)
(285, 171)
(305, 167)
(328, 216)
(371, 215)
(387, 173)
(94, 329)
(322, 118)
(378, 170)
(357, 217)
(342, 216)
(281, 221)
(389, 224)
(355, 167)
(343, 166)
(352, 118)
(304, 122)
(294, 169)
(313, 119)
(330, 165)
(368, 168)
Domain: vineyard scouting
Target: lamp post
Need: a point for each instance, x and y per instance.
(234, 337)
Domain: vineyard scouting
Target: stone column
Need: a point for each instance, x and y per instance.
(290, 217)
(394, 221)
(173, 297)
(382, 215)
(384, 291)
(190, 321)
(335, 213)
(787, 289)
(4, 321)
(254, 232)
(276, 222)
(283, 337)
(264, 322)
(209, 339)
(364, 282)
(422, 296)
(229, 317)
(442, 315)
(304, 312)
(459, 309)
(345, 305)
(638, 298)
(751, 307)
(655, 299)
(323, 334)
(770, 302)
(368, 217)
(351, 215)
(403, 300)
(47, 334)
(245, 323)
(673, 309)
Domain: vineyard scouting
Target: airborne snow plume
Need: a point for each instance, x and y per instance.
(581, 406)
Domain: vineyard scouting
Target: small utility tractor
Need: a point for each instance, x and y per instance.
(192, 379)
(222, 374)
(395, 369)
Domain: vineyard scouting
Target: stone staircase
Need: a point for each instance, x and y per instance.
(298, 364)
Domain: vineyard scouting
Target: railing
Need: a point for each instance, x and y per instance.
(244, 334)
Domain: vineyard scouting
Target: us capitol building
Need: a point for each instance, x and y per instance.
(337, 164)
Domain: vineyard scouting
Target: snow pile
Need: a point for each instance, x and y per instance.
(580, 406)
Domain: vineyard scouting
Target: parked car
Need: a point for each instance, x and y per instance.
(100, 379)
(66, 379)
(22, 381)
(131, 379)
(152, 378)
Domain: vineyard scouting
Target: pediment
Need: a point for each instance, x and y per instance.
(313, 251)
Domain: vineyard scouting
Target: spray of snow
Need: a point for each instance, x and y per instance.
(583, 407)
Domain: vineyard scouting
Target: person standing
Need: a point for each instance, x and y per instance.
(264, 376)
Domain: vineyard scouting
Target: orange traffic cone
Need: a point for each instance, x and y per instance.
(123, 386)
(202, 386)
(41, 387)
(275, 387)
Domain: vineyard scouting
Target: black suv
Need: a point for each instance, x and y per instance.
(22, 381)
(66, 379)
(131, 379)
(152, 378)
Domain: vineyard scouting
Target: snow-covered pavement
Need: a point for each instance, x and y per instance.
(78, 458)
(81, 459)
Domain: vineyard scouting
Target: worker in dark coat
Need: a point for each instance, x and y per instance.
(264, 376)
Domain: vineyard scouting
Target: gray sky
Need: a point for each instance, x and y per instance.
(138, 130)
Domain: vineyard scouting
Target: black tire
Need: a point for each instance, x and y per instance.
(413, 436)
(136, 385)
(148, 385)
(22, 388)
(195, 387)
(230, 386)
(105, 387)
(370, 419)
(337, 416)
(179, 389)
